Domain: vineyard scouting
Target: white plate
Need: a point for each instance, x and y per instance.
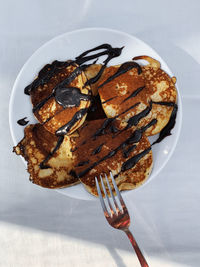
(68, 46)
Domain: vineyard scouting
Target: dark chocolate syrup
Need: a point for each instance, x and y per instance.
(125, 67)
(135, 137)
(136, 118)
(137, 91)
(101, 130)
(164, 103)
(109, 155)
(67, 127)
(151, 123)
(42, 164)
(23, 121)
(166, 131)
(69, 97)
(128, 151)
(41, 103)
(108, 50)
(97, 149)
(85, 66)
(97, 77)
(109, 99)
(82, 163)
(130, 163)
(109, 122)
(113, 129)
(46, 73)
(131, 107)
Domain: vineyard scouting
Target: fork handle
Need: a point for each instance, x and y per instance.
(140, 256)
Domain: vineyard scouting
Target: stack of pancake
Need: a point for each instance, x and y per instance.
(89, 128)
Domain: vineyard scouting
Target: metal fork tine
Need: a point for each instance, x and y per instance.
(104, 189)
(100, 196)
(117, 191)
(111, 193)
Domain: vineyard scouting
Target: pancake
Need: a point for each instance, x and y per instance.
(163, 94)
(36, 145)
(101, 148)
(60, 99)
(136, 95)
(124, 95)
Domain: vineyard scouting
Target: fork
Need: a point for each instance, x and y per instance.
(118, 217)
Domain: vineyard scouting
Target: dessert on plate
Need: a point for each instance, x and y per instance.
(95, 118)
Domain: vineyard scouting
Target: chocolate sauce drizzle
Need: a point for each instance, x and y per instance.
(108, 50)
(113, 129)
(101, 130)
(133, 121)
(164, 103)
(108, 124)
(97, 149)
(46, 73)
(151, 123)
(137, 91)
(109, 121)
(109, 99)
(130, 163)
(67, 127)
(23, 122)
(42, 164)
(128, 151)
(166, 131)
(69, 97)
(125, 67)
(82, 163)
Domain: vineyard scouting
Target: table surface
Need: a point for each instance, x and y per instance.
(40, 227)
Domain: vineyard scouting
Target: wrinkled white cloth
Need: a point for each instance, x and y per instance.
(41, 228)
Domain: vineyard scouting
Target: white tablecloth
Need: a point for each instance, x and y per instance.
(42, 228)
